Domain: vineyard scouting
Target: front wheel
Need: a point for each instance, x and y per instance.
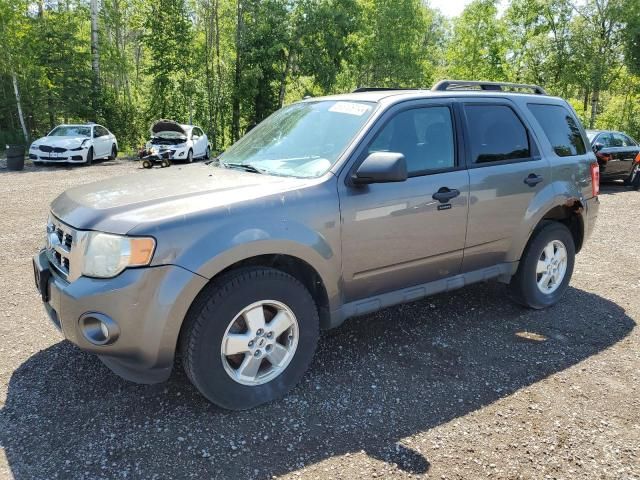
(114, 152)
(207, 153)
(545, 268)
(634, 178)
(190, 156)
(89, 159)
(249, 337)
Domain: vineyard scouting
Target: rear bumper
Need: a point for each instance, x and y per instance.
(591, 208)
(147, 306)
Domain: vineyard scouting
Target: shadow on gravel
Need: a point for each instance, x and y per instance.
(375, 381)
(613, 188)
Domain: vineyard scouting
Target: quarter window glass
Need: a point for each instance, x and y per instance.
(496, 134)
(560, 128)
(423, 135)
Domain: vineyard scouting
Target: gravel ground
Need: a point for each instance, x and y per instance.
(461, 385)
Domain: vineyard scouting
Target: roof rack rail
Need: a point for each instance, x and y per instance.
(444, 85)
(380, 89)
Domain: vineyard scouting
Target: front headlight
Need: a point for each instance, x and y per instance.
(107, 255)
(33, 146)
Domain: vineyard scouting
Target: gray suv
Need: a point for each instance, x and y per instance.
(330, 208)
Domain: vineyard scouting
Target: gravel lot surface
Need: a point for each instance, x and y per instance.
(461, 385)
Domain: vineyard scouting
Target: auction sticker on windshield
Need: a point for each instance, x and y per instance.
(350, 108)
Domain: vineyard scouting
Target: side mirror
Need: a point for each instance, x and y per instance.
(381, 167)
(597, 147)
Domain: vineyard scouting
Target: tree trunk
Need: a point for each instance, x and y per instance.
(95, 53)
(20, 115)
(594, 108)
(283, 81)
(235, 121)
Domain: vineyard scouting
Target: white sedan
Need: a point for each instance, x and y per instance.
(174, 141)
(74, 144)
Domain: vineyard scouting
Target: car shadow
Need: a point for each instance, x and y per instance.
(612, 187)
(375, 381)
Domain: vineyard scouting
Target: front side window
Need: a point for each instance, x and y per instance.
(423, 135)
(496, 134)
(561, 129)
(71, 131)
(301, 140)
(605, 139)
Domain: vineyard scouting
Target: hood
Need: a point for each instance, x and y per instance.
(168, 129)
(63, 142)
(119, 204)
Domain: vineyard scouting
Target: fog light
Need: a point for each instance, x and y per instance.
(99, 329)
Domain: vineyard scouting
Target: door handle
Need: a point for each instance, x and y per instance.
(445, 194)
(532, 180)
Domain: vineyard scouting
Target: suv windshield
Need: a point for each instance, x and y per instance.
(71, 131)
(302, 140)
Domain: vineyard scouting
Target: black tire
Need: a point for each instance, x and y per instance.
(523, 287)
(165, 163)
(190, 156)
(212, 312)
(207, 154)
(635, 179)
(89, 159)
(147, 164)
(114, 152)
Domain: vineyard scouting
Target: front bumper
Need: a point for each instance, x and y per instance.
(70, 156)
(147, 304)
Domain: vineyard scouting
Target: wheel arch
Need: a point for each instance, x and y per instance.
(567, 210)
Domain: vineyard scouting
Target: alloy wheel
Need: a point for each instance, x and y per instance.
(551, 267)
(260, 342)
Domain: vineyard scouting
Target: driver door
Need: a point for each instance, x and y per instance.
(397, 235)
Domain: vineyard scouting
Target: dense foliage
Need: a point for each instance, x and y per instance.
(227, 64)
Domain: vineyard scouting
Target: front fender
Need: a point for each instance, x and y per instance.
(303, 223)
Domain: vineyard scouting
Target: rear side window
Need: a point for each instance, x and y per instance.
(560, 128)
(496, 134)
(621, 140)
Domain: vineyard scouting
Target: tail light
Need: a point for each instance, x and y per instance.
(637, 160)
(595, 178)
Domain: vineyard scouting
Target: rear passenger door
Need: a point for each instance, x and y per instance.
(506, 171)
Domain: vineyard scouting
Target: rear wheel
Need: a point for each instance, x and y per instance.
(147, 164)
(545, 268)
(250, 337)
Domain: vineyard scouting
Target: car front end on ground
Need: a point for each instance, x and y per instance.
(67, 149)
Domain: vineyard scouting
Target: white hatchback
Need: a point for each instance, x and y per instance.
(174, 141)
(74, 144)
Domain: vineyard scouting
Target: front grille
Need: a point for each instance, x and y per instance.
(47, 148)
(61, 246)
(53, 159)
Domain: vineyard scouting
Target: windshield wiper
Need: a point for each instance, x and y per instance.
(243, 166)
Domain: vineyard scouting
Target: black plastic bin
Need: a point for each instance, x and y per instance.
(15, 157)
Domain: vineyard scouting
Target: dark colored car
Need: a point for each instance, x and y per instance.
(618, 156)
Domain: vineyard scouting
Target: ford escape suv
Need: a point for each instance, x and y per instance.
(330, 208)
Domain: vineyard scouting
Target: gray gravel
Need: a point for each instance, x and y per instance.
(461, 385)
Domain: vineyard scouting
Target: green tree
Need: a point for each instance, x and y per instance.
(478, 45)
